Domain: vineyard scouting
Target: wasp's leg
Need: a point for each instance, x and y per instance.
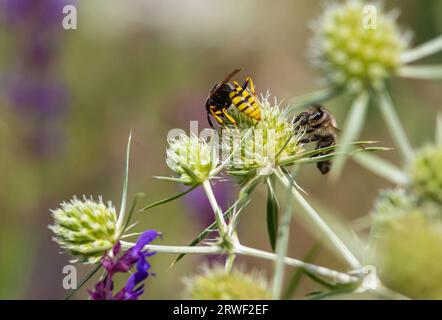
(228, 116)
(248, 82)
(215, 114)
(209, 120)
(236, 84)
(218, 119)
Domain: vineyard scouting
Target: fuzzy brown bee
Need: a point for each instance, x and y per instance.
(224, 94)
(320, 126)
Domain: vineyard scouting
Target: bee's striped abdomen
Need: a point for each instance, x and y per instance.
(245, 102)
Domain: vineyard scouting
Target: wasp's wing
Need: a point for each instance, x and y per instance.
(230, 76)
(226, 79)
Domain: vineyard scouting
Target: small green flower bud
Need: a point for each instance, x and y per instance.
(85, 228)
(216, 284)
(426, 173)
(408, 245)
(356, 44)
(193, 155)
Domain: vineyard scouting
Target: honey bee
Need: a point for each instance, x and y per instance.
(319, 125)
(224, 94)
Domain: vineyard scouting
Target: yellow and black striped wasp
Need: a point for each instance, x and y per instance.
(224, 94)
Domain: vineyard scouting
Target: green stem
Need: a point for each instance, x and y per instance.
(221, 223)
(422, 51)
(282, 245)
(393, 123)
(430, 72)
(247, 251)
(229, 262)
(319, 223)
(325, 272)
(83, 281)
(352, 129)
(381, 167)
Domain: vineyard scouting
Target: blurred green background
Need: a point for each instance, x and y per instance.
(147, 66)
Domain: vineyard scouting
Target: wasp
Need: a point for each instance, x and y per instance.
(224, 94)
(320, 126)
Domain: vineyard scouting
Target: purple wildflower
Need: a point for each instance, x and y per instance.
(135, 255)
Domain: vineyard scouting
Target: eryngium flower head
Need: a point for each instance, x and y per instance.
(216, 284)
(192, 158)
(356, 44)
(426, 173)
(264, 144)
(408, 245)
(85, 228)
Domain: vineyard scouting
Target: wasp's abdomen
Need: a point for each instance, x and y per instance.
(245, 102)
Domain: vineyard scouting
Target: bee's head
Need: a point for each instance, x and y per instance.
(316, 114)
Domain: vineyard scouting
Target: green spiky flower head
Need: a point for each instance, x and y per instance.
(192, 158)
(85, 228)
(216, 284)
(408, 245)
(264, 144)
(357, 44)
(426, 173)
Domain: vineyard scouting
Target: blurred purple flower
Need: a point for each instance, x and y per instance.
(135, 255)
(37, 98)
(200, 206)
(32, 86)
(44, 13)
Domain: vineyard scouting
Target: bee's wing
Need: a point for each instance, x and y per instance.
(226, 79)
(337, 130)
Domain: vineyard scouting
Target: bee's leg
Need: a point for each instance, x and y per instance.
(326, 141)
(311, 138)
(228, 116)
(302, 118)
